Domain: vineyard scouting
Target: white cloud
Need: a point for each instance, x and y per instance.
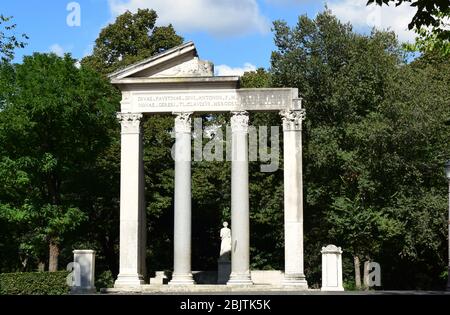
(221, 18)
(386, 17)
(224, 70)
(57, 49)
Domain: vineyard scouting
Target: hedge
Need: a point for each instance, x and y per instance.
(34, 283)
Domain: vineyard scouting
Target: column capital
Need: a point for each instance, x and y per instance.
(292, 119)
(239, 121)
(131, 122)
(183, 122)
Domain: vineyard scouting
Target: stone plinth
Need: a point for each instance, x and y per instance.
(160, 278)
(267, 277)
(84, 271)
(332, 268)
(224, 271)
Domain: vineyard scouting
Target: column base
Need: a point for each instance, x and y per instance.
(240, 279)
(297, 280)
(182, 279)
(129, 281)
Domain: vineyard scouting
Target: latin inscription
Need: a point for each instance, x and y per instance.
(221, 100)
(187, 100)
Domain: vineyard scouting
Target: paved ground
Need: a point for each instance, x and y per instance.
(421, 293)
(254, 290)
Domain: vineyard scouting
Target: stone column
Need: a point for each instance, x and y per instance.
(143, 218)
(182, 273)
(132, 224)
(240, 221)
(293, 198)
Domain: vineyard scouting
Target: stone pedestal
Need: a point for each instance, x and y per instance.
(224, 271)
(240, 221)
(84, 271)
(267, 277)
(159, 279)
(182, 273)
(293, 198)
(332, 268)
(132, 206)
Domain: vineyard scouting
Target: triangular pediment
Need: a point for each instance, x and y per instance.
(180, 61)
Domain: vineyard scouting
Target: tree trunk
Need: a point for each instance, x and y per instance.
(357, 264)
(53, 257)
(52, 186)
(366, 274)
(41, 266)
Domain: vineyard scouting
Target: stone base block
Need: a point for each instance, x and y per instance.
(240, 279)
(335, 289)
(160, 278)
(224, 271)
(267, 277)
(295, 280)
(182, 279)
(80, 291)
(127, 281)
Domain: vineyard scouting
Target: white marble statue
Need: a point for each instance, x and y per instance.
(225, 245)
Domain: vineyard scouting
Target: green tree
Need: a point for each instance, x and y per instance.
(256, 79)
(429, 40)
(131, 38)
(427, 11)
(342, 77)
(54, 123)
(374, 147)
(415, 149)
(430, 23)
(8, 40)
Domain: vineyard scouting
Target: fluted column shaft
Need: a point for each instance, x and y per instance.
(240, 221)
(293, 198)
(182, 273)
(132, 209)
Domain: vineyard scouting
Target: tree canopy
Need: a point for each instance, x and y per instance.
(375, 142)
(431, 23)
(9, 41)
(427, 11)
(131, 38)
(54, 122)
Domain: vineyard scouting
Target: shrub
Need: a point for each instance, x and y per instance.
(34, 283)
(105, 280)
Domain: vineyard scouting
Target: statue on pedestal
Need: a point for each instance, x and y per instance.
(224, 261)
(225, 245)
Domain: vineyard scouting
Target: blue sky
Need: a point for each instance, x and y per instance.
(234, 34)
